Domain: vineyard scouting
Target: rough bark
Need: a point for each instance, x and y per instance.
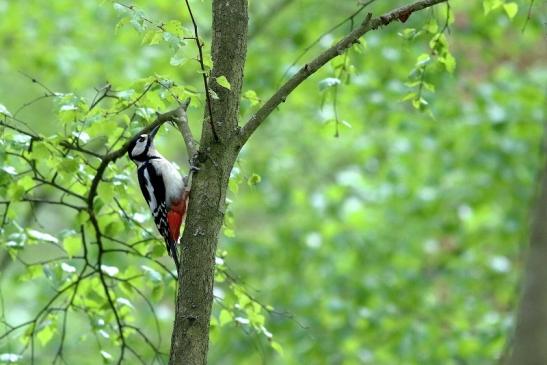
(190, 338)
(530, 338)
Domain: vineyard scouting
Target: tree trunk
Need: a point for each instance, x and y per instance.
(530, 339)
(190, 339)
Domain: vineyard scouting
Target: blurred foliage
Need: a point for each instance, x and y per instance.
(396, 243)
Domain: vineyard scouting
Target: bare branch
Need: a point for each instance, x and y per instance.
(310, 68)
(36, 81)
(59, 187)
(78, 148)
(101, 94)
(184, 128)
(31, 102)
(134, 102)
(33, 136)
(53, 202)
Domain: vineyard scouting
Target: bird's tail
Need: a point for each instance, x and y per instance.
(172, 250)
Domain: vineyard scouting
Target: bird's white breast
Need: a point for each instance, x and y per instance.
(172, 179)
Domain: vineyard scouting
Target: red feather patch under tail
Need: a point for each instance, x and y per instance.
(174, 219)
(176, 215)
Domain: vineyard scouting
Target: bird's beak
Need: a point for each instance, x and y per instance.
(153, 132)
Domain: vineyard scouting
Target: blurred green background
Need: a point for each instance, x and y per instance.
(397, 242)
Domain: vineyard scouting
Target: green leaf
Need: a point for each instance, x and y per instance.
(39, 150)
(114, 228)
(32, 272)
(510, 8)
(407, 33)
(223, 81)
(229, 232)
(106, 356)
(233, 185)
(10, 358)
(158, 250)
(157, 292)
(46, 333)
(120, 8)
(429, 86)
(423, 59)
(41, 236)
(67, 268)
(125, 302)
(277, 347)
(15, 192)
(10, 170)
(252, 97)
(110, 270)
(409, 96)
(254, 180)
(152, 37)
(121, 23)
(449, 62)
(225, 317)
(4, 110)
(175, 28)
(346, 124)
(26, 182)
(179, 58)
(490, 5)
(106, 191)
(151, 273)
(82, 217)
(432, 26)
(69, 166)
(207, 61)
(328, 82)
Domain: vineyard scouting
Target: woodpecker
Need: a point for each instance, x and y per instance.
(164, 189)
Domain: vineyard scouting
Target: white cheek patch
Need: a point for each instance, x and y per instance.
(139, 148)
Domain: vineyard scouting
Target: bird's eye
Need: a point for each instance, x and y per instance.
(141, 139)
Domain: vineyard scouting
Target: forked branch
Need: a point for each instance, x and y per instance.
(340, 47)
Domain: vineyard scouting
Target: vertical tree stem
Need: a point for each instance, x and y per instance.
(190, 340)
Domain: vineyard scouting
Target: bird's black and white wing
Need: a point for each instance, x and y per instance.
(153, 189)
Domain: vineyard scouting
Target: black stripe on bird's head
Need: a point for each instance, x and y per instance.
(142, 148)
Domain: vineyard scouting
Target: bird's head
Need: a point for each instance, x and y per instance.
(142, 147)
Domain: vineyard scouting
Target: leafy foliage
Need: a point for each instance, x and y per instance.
(396, 243)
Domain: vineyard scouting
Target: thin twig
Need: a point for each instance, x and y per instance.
(101, 94)
(528, 16)
(29, 103)
(203, 74)
(53, 202)
(134, 102)
(36, 81)
(17, 129)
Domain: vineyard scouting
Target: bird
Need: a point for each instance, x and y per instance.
(163, 188)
